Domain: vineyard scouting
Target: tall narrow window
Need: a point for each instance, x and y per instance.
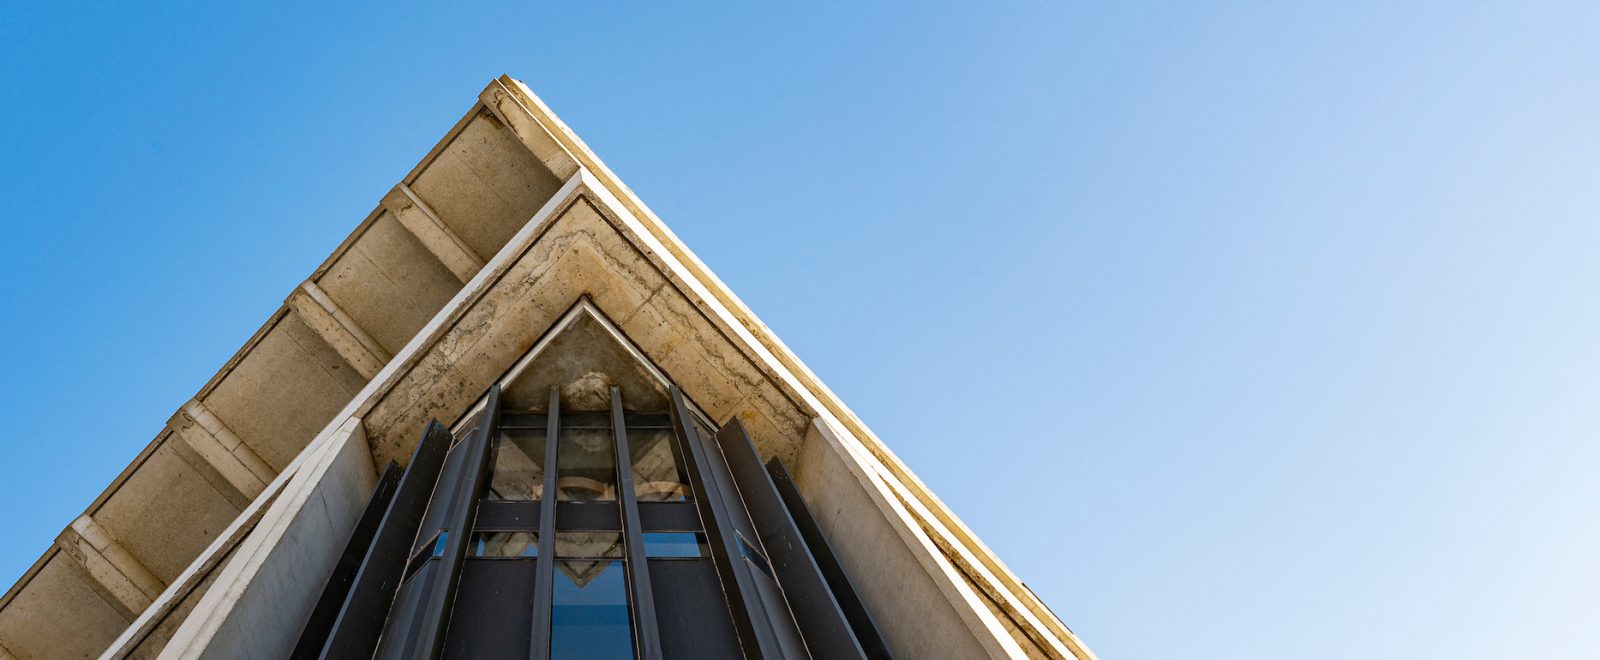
(586, 459)
(518, 462)
(589, 615)
(657, 471)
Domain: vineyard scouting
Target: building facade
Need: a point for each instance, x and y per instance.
(512, 415)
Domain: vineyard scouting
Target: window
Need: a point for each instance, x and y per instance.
(504, 544)
(657, 472)
(589, 616)
(586, 459)
(675, 545)
(518, 464)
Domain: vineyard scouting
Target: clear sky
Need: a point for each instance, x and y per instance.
(1242, 331)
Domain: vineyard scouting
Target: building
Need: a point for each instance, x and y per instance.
(368, 473)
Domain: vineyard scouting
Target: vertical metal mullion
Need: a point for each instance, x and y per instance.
(756, 639)
(366, 607)
(458, 523)
(543, 585)
(815, 609)
(646, 636)
(844, 591)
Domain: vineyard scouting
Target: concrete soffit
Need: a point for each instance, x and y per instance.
(593, 249)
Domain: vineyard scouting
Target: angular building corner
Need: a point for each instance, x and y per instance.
(367, 476)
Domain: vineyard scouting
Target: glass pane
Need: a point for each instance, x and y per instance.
(674, 544)
(754, 556)
(504, 544)
(597, 545)
(589, 612)
(587, 461)
(518, 465)
(657, 477)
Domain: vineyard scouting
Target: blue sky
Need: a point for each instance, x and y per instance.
(1246, 331)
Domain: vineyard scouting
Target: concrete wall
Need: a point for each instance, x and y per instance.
(260, 602)
(916, 616)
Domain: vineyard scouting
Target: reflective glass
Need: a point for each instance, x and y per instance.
(754, 556)
(594, 545)
(589, 612)
(518, 465)
(657, 477)
(674, 544)
(587, 462)
(504, 544)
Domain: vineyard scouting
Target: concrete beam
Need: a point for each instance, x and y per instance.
(110, 569)
(418, 218)
(338, 329)
(505, 107)
(210, 447)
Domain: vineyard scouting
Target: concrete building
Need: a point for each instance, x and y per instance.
(511, 305)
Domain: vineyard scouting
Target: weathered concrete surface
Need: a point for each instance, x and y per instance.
(388, 284)
(357, 348)
(238, 471)
(166, 489)
(431, 231)
(583, 350)
(51, 617)
(274, 420)
(112, 571)
(149, 644)
(260, 601)
(579, 251)
(916, 615)
(486, 186)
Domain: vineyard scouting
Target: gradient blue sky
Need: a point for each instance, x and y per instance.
(1242, 331)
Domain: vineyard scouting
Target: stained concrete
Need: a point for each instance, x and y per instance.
(580, 252)
(584, 353)
(389, 283)
(485, 185)
(57, 615)
(151, 644)
(915, 616)
(164, 491)
(273, 418)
